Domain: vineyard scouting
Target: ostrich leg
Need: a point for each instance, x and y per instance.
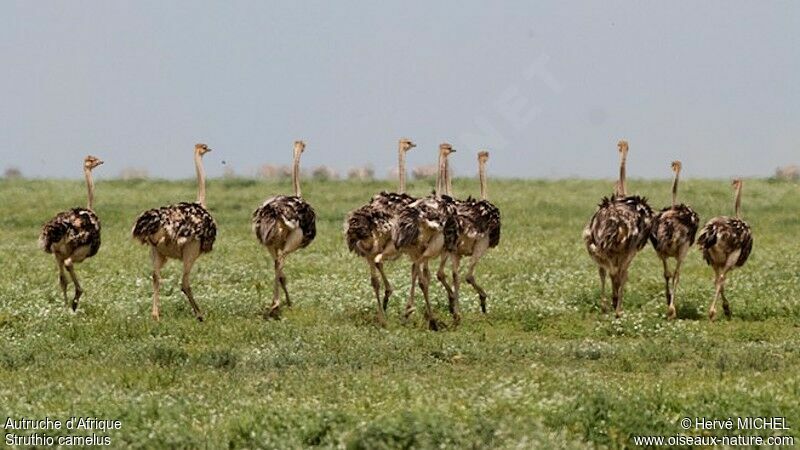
(477, 254)
(62, 279)
(675, 279)
(78, 291)
(282, 280)
(274, 309)
(158, 263)
(426, 282)
(712, 311)
(387, 287)
(376, 287)
(440, 275)
(668, 287)
(603, 299)
(410, 303)
(189, 257)
(455, 307)
(726, 307)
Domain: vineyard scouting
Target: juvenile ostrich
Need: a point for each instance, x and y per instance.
(479, 230)
(73, 235)
(183, 231)
(726, 243)
(284, 224)
(368, 231)
(616, 232)
(672, 235)
(425, 229)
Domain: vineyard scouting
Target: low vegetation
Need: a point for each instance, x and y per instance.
(543, 369)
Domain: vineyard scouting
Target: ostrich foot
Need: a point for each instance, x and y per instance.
(712, 313)
(671, 313)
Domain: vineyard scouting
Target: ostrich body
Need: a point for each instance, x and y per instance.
(425, 229)
(726, 243)
(368, 231)
(672, 235)
(181, 231)
(73, 235)
(616, 232)
(284, 224)
(479, 230)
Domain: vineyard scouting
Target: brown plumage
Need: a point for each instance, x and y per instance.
(478, 230)
(726, 243)
(616, 232)
(284, 224)
(424, 230)
(672, 235)
(368, 231)
(181, 231)
(73, 235)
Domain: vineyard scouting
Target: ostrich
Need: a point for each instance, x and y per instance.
(479, 230)
(672, 235)
(73, 235)
(726, 243)
(616, 232)
(284, 224)
(183, 231)
(368, 231)
(424, 230)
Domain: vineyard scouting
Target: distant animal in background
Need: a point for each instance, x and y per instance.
(726, 243)
(672, 235)
(368, 230)
(183, 231)
(479, 230)
(73, 235)
(616, 232)
(284, 224)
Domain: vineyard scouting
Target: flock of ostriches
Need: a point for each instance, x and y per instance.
(392, 224)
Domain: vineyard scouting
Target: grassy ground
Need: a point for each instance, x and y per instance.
(544, 368)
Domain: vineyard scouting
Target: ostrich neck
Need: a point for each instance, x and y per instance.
(401, 170)
(448, 182)
(296, 175)
(738, 202)
(621, 185)
(440, 174)
(90, 188)
(482, 177)
(201, 179)
(675, 189)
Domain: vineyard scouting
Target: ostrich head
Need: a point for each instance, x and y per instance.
(201, 149)
(483, 156)
(676, 166)
(90, 162)
(299, 147)
(623, 147)
(446, 148)
(406, 144)
(736, 183)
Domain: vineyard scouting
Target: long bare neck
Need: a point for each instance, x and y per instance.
(448, 182)
(675, 188)
(440, 182)
(738, 202)
(621, 183)
(90, 188)
(201, 179)
(401, 170)
(482, 177)
(296, 175)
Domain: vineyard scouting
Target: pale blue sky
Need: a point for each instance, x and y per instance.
(548, 87)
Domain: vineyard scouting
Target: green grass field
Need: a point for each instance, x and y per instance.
(543, 369)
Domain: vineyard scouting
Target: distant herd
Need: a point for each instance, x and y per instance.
(392, 224)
